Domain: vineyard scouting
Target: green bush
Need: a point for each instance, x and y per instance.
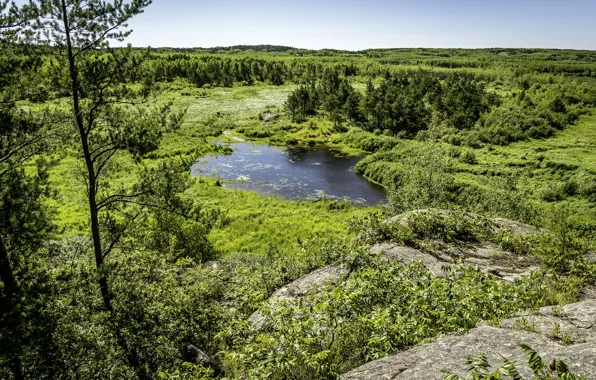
(469, 157)
(506, 125)
(370, 142)
(379, 309)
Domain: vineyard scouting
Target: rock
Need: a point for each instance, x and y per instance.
(513, 226)
(588, 292)
(450, 353)
(213, 265)
(267, 117)
(516, 228)
(229, 135)
(407, 255)
(301, 287)
(485, 257)
(404, 218)
(192, 354)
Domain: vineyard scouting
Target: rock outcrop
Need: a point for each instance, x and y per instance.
(269, 116)
(483, 255)
(300, 287)
(486, 257)
(567, 334)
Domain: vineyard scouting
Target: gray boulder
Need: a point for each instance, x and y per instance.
(269, 116)
(407, 255)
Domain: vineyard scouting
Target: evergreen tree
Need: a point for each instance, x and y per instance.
(24, 221)
(109, 121)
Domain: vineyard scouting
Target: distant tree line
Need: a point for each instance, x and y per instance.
(225, 72)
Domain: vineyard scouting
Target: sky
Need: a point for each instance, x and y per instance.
(362, 24)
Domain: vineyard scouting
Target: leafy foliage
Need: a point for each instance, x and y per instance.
(82, 134)
(479, 368)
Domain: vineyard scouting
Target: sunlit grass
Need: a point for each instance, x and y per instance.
(253, 223)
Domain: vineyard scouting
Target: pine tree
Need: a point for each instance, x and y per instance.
(24, 222)
(109, 121)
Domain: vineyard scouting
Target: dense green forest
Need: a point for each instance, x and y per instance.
(116, 262)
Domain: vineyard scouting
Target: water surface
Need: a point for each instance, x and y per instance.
(291, 173)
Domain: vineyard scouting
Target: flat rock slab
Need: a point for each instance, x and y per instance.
(487, 258)
(407, 255)
(309, 281)
(484, 255)
(300, 287)
(515, 227)
(449, 353)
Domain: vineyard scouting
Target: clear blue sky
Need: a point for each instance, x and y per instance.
(354, 25)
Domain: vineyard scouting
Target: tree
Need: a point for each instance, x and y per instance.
(352, 107)
(77, 30)
(463, 100)
(292, 105)
(370, 106)
(333, 106)
(110, 120)
(24, 221)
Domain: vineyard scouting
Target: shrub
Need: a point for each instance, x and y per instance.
(506, 125)
(469, 157)
(369, 141)
(588, 189)
(570, 187)
(428, 183)
(379, 309)
(552, 193)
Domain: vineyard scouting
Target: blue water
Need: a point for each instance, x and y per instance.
(291, 173)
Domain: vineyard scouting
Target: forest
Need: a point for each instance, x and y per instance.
(118, 261)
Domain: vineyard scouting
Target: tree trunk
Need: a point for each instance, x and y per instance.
(92, 184)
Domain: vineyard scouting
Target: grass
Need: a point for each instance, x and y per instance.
(239, 110)
(576, 145)
(253, 223)
(546, 166)
(570, 155)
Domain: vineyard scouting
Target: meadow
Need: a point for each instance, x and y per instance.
(123, 264)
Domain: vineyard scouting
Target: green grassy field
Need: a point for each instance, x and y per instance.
(251, 223)
(256, 222)
(545, 165)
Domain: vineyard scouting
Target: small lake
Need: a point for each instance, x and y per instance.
(291, 173)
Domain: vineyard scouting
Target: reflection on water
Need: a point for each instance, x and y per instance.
(291, 173)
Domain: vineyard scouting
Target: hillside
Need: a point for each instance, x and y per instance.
(190, 213)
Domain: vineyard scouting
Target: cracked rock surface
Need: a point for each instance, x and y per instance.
(567, 333)
(483, 255)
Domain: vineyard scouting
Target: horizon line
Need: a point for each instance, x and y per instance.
(363, 50)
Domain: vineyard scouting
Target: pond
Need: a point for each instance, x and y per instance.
(291, 173)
